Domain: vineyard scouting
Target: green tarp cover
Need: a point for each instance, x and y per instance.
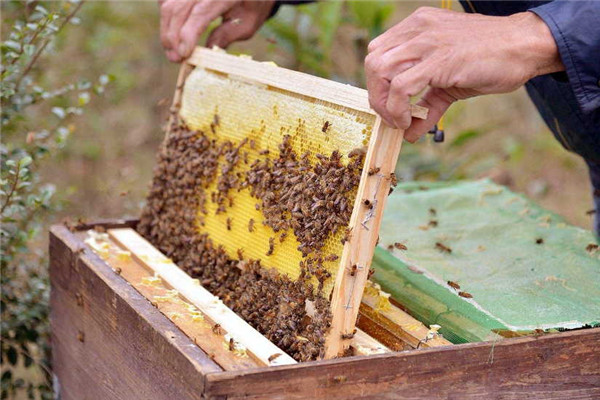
(525, 268)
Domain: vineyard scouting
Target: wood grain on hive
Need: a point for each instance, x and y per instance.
(255, 105)
(109, 342)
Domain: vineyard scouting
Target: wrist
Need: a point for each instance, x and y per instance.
(537, 47)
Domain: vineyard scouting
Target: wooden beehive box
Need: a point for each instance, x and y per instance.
(110, 342)
(120, 331)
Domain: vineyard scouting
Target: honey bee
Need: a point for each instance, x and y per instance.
(432, 212)
(240, 254)
(282, 237)
(273, 357)
(453, 285)
(263, 152)
(79, 299)
(465, 295)
(393, 179)
(592, 247)
(325, 127)
(353, 270)
(367, 203)
(373, 170)
(347, 235)
(400, 246)
(231, 344)
(357, 152)
(229, 220)
(118, 271)
(331, 257)
(371, 272)
(271, 246)
(443, 248)
(217, 330)
(433, 223)
(539, 241)
(349, 335)
(251, 225)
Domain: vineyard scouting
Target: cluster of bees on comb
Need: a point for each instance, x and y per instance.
(311, 197)
(314, 201)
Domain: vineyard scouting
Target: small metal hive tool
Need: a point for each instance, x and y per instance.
(240, 100)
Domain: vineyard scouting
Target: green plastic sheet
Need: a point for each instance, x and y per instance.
(525, 268)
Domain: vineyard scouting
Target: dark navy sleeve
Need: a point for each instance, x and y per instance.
(278, 5)
(575, 26)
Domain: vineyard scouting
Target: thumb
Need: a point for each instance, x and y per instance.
(437, 101)
(235, 26)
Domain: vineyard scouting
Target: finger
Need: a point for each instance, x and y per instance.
(378, 77)
(437, 101)
(235, 27)
(200, 17)
(402, 88)
(173, 56)
(379, 89)
(166, 11)
(181, 13)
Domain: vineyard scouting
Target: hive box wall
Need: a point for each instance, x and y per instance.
(128, 350)
(108, 341)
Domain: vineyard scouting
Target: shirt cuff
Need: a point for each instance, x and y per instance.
(278, 4)
(571, 31)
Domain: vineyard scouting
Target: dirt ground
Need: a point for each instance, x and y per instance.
(107, 166)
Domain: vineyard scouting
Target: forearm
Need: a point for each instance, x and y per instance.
(536, 46)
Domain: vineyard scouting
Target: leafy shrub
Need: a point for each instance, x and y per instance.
(36, 122)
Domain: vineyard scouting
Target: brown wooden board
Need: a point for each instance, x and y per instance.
(108, 341)
(111, 343)
(558, 366)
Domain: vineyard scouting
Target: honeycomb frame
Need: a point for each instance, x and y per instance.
(346, 109)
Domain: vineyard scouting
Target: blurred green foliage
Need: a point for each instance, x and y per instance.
(36, 121)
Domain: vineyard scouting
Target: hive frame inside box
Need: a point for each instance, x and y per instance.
(231, 342)
(109, 342)
(382, 154)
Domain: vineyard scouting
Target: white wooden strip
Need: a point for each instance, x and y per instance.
(293, 81)
(365, 345)
(211, 306)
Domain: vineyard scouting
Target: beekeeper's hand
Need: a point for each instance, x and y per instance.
(453, 56)
(183, 21)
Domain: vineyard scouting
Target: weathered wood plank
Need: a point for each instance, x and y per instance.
(181, 313)
(108, 341)
(270, 74)
(393, 326)
(365, 221)
(365, 345)
(258, 346)
(555, 366)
